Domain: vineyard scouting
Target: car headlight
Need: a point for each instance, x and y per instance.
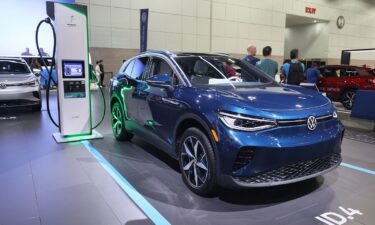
(245, 123)
(31, 83)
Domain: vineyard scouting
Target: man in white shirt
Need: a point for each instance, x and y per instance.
(97, 71)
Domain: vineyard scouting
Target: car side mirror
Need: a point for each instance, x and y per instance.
(162, 81)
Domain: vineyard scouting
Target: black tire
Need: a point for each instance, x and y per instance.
(348, 98)
(197, 179)
(118, 123)
(37, 108)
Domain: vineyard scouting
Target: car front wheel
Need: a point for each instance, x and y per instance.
(197, 162)
(118, 123)
(348, 98)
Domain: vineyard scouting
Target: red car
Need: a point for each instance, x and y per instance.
(340, 82)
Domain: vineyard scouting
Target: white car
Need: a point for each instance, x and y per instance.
(19, 86)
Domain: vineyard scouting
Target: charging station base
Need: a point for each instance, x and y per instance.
(64, 139)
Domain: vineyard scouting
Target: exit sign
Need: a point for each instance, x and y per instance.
(310, 10)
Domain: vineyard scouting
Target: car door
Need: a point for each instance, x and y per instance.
(134, 73)
(330, 81)
(160, 108)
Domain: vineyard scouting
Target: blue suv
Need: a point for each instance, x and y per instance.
(226, 122)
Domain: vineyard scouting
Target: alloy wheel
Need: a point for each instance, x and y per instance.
(194, 162)
(117, 120)
(348, 99)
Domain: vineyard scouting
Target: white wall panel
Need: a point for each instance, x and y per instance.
(189, 7)
(218, 11)
(189, 25)
(120, 17)
(121, 38)
(173, 42)
(100, 37)
(184, 25)
(121, 3)
(203, 8)
(203, 43)
(189, 43)
(100, 2)
(156, 40)
(100, 16)
(203, 26)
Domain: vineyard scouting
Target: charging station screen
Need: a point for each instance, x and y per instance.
(73, 69)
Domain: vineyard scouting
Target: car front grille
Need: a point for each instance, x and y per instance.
(296, 171)
(303, 121)
(17, 103)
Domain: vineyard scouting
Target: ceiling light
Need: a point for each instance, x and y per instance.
(315, 21)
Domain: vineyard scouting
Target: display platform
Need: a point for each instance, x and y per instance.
(48, 183)
(156, 176)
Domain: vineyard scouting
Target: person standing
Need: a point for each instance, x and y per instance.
(294, 69)
(98, 72)
(35, 64)
(312, 73)
(102, 72)
(43, 53)
(27, 52)
(268, 65)
(251, 52)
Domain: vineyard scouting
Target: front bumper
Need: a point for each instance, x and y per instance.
(278, 156)
(20, 96)
(292, 173)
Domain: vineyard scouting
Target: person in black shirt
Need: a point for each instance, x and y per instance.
(294, 70)
(101, 72)
(251, 52)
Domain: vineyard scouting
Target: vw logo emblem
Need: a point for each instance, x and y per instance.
(3, 86)
(340, 22)
(311, 123)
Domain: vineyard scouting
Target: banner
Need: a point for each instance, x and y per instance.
(143, 29)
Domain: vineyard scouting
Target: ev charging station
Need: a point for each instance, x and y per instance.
(73, 73)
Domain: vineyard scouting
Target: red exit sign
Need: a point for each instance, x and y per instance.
(310, 10)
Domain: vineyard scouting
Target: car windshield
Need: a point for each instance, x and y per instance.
(221, 71)
(13, 67)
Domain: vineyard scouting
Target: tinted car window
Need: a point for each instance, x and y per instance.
(362, 72)
(139, 67)
(128, 69)
(221, 71)
(342, 72)
(331, 72)
(13, 67)
(161, 67)
(351, 72)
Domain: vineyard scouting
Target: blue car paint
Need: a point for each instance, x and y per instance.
(275, 147)
(45, 76)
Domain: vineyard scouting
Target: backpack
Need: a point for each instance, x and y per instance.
(295, 75)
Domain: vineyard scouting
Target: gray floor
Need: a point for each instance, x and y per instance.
(45, 183)
(42, 182)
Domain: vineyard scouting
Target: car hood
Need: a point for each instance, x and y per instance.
(16, 78)
(275, 98)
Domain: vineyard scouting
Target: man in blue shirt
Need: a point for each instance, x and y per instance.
(251, 52)
(294, 69)
(312, 73)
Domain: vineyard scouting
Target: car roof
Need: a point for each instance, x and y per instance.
(347, 66)
(170, 54)
(9, 59)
